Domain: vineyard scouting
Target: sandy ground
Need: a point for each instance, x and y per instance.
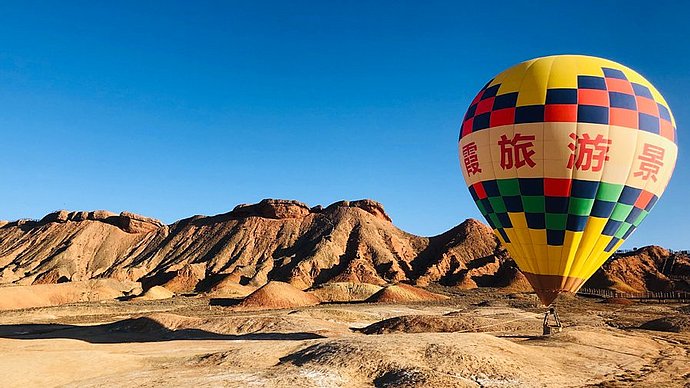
(185, 342)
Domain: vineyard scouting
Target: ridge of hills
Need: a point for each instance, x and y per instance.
(287, 241)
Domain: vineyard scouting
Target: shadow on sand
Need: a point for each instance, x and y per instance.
(134, 330)
(224, 302)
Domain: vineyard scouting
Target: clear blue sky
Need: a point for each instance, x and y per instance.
(174, 109)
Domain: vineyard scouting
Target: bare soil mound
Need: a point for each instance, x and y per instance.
(401, 293)
(343, 292)
(186, 278)
(156, 293)
(672, 324)
(433, 360)
(278, 295)
(230, 288)
(42, 295)
(450, 323)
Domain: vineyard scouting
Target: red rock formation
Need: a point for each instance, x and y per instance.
(348, 241)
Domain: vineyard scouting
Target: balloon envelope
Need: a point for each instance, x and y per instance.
(565, 156)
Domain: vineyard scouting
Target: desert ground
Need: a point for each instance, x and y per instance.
(482, 337)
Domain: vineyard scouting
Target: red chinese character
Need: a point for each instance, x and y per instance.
(469, 157)
(652, 160)
(588, 153)
(516, 151)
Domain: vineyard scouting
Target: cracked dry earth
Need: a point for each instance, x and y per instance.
(490, 340)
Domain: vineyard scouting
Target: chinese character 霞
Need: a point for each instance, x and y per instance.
(469, 157)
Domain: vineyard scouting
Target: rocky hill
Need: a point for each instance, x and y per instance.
(282, 240)
(348, 241)
(651, 268)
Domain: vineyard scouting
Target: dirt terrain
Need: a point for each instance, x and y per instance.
(282, 294)
(274, 240)
(482, 337)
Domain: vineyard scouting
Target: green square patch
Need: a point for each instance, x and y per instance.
(497, 204)
(555, 221)
(640, 218)
(533, 203)
(609, 192)
(620, 212)
(622, 229)
(496, 221)
(508, 186)
(580, 206)
(481, 208)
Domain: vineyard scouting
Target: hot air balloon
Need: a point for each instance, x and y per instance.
(565, 156)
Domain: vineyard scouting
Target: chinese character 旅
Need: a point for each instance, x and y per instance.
(516, 151)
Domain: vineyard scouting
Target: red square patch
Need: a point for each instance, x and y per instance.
(619, 85)
(502, 117)
(485, 106)
(479, 189)
(593, 97)
(623, 118)
(564, 113)
(643, 199)
(648, 106)
(467, 126)
(666, 130)
(555, 187)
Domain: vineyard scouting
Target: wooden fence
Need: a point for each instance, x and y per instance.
(670, 296)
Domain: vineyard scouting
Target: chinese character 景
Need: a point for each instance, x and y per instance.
(652, 159)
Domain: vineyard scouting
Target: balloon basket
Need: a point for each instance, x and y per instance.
(552, 323)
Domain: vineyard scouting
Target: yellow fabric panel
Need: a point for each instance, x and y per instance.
(516, 250)
(569, 251)
(595, 261)
(541, 258)
(525, 243)
(518, 220)
(587, 268)
(500, 78)
(589, 65)
(590, 236)
(566, 76)
(512, 78)
(538, 236)
(517, 255)
(555, 253)
(533, 87)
